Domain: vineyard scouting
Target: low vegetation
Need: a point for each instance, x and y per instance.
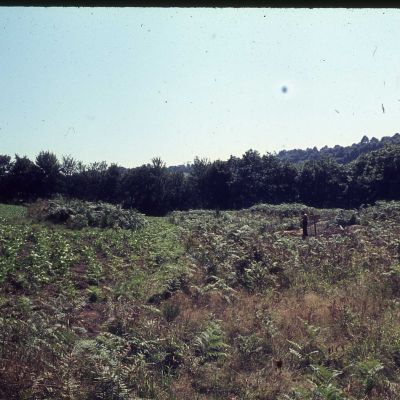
(78, 214)
(202, 305)
(12, 212)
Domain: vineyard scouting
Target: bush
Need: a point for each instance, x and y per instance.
(281, 210)
(78, 214)
(347, 218)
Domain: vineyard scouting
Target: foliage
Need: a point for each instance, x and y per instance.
(324, 386)
(340, 177)
(203, 304)
(347, 218)
(341, 154)
(12, 212)
(170, 311)
(370, 371)
(209, 343)
(77, 214)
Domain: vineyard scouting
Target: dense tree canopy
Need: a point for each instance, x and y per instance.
(236, 183)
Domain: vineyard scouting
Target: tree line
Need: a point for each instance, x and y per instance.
(342, 154)
(236, 183)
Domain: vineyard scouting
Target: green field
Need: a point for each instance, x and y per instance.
(203, 305)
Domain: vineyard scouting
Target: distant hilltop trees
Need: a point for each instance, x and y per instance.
(331, 177)
(342, 155)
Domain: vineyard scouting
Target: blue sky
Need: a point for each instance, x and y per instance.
(125, 85)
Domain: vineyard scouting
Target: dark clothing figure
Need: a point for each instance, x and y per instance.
(304, 224)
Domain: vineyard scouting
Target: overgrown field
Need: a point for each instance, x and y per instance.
(203, 305)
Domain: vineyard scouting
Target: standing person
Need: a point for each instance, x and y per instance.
(304, 224)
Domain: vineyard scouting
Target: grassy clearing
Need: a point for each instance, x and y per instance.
(203, 305)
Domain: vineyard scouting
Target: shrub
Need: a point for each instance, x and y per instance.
(347, 218)
(78, 214)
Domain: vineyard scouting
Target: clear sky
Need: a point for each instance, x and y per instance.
(125, 85)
